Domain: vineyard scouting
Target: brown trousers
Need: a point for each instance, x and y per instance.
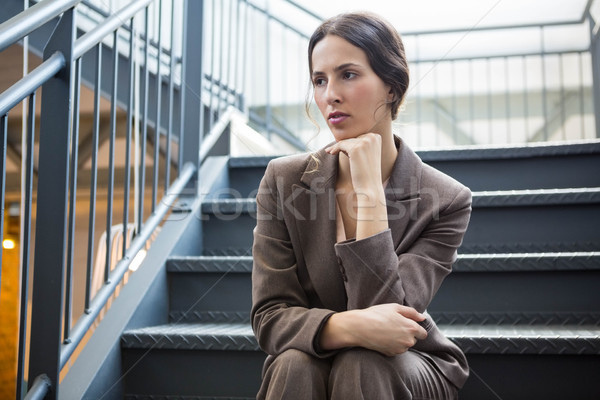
(354, 374)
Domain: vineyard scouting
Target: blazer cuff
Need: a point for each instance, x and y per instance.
(370, 265)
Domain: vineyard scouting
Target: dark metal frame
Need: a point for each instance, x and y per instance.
(53, 339)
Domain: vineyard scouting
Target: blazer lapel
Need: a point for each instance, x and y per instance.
(403, 191)
(314, 202)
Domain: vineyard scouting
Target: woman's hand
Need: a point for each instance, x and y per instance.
(390, 329)
(364, 167)
(364, 156)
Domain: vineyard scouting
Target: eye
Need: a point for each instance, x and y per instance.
(318, 81)
(348, 75)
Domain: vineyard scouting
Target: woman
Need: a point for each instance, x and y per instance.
(352, 242)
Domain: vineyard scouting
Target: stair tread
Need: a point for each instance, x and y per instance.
(481, 199)
(470, 153)
(493, 262)
(210, 264)
(472, 339)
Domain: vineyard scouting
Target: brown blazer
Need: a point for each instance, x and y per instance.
(301, 276)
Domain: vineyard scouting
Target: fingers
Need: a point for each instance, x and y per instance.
(410, 312)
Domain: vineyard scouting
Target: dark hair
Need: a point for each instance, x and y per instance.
(381, 43)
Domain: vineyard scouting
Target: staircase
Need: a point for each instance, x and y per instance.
(523, 300)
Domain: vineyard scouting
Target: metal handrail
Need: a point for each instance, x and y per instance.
(93, 37)
(101, 298)
(39, 388)
(31, 82)
(29, 20)
(579, 20)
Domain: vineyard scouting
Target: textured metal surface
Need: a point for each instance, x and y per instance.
(471, 153)
(232, 317)
(178, 397)
(524, 247)
(525, 340)
(249, 162)
(192, 337)
(494, 153)
(500, 198)
(539, 197)
(229, 206)
(227, 252)
(511, 318)
(568, 261)
(217, 264)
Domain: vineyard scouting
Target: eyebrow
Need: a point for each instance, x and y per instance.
(337, 68)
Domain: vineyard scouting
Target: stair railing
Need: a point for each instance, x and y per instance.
(461, 93)
(53, 338)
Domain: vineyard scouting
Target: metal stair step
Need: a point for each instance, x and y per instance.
(534, 166)
(224, 336)
(516, 221)
(179, 397)
(561, 340)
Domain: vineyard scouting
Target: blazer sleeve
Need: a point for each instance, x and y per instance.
(375, 274)
(281, 317)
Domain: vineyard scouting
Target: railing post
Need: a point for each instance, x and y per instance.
(595, 55)
(191, 84)
(52, 210)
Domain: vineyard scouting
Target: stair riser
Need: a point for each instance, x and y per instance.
(192, 373)
(568, 227)
(192, 295)
(541, 297)
(528, 173)
(485, 298)
(525, 377)
(493, 376)
(521, 172)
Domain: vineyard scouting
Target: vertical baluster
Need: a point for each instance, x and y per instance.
(144, 123)
(220, 59)
(507, 98)
(111, 156)
(544, 89)
(93, 179)
(454, 114)
(72, 201)
(25, 245)
(181, 143)
(3, 142)
(562, 97)
(158, 109)
(268, 70)
(212, 64)
(436, 106)
(129, 123)
(581, 96)
(525, 99)
(230, 46)
(236, 50)
(244, 53)
(171, 93)
(490, 109)
(472, 100)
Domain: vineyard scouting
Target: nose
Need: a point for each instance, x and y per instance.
(332, 94)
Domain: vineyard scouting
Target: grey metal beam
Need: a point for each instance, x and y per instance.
(192, 75)
(52, 209)
(29, 20)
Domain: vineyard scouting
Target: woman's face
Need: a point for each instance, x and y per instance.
(351, 97)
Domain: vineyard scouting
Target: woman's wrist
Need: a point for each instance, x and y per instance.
(337, 332)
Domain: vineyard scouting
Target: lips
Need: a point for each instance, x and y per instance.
(336, 117)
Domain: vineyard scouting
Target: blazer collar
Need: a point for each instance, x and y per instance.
(315, 202)
(404, 182)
